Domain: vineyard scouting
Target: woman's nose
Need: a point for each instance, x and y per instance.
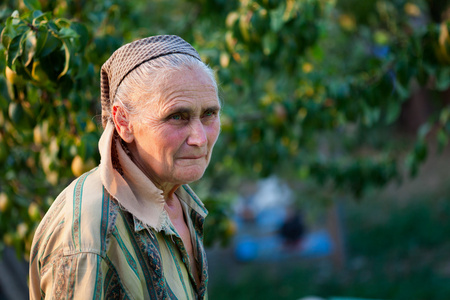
(197, 136)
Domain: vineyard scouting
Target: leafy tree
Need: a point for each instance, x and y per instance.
(302, 81)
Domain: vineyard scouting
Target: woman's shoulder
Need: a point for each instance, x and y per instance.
(79, 220)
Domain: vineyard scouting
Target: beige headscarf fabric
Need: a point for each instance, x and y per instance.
(129, 57)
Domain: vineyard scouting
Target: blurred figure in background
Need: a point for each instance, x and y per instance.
(292, 229)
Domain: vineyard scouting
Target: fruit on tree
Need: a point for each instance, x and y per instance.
(13, 77)
(79, 166)
(4, 202)
(33, 212)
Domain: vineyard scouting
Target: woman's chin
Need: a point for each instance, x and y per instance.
(190, 174)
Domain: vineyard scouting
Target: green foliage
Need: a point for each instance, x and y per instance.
(43, 126)
(291, 74)
(219, 225)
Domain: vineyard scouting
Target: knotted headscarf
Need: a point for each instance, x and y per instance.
(129, 57)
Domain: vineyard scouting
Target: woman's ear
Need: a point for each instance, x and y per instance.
(122, 123)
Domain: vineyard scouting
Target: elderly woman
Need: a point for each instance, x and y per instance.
(132, 228)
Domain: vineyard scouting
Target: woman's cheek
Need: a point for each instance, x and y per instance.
(214, 131)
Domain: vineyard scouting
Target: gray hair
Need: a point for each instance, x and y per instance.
(135, 92)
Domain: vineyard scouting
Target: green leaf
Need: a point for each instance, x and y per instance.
(13, 51)
(51, 43)
(8, 33)
(393, 111)
(442, 138)
(40, 17)
(317, 52)
(53, 27)
(36, 15)
(29, 48)
(15, 112)
(402, 91)
(26, 17)
(83, 35)
(276, 18)
(371, 114)
(443, 79)
(33, 4)
(424, 130)
(420, 150)
(62, 22)
(269, 43)
(67, 33)
(42, 34)
(411, 164)
(83, 66)
(444, 116)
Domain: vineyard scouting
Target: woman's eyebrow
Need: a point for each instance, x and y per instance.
(181, 110)
(213, 108)
(188, 110)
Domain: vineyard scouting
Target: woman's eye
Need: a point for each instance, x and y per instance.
(176, 117)
(209, 113)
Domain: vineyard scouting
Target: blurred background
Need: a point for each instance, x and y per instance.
(331, 176)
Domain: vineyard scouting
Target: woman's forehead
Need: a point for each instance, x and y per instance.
(193, 87)
(191, 105)
(187, 77)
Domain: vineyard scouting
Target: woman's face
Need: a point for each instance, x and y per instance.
(174, 145)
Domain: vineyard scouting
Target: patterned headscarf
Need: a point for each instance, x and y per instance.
(129, 57)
